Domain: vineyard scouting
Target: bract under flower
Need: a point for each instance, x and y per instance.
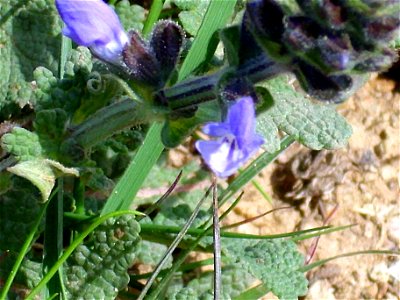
(94, 24)
(237, 140)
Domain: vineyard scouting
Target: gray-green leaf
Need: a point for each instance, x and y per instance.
(98, 268)
(275, 262)
(317, 126)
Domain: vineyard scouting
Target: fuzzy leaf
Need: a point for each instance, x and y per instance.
(98, 268)
(18, 210)
(150, 253)
(268, 129)
(192, 15)
(42, 173)
(27, 41)
(21, 143)
(234, 281)
(131, 16)
(317, 126)
(274, 262)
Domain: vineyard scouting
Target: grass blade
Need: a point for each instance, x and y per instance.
(324, 261)
(216, 16)
(53, 239)
(153, 232)
(154, 14)
(253, 293)
(127, 187)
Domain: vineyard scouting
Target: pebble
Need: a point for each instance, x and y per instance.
(393, 229)
(379, 273)
(388, 172)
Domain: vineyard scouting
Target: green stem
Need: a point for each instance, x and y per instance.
(196, 90)
(152, 18)
(109, 120)
(73, 246)
(153, 231)
(53, 239)
(79, 196)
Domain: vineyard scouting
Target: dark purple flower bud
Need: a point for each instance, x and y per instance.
(377, 63)
(93, 24)
(266, 18)
(236, 88)
(302, 33)
(383, 29)
(141, 61)
(236, 139)
(329, 13)
(321, 86)
(166, 42)
(336, 52)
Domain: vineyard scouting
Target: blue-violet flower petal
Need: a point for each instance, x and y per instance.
(94, 24)
(237, 140)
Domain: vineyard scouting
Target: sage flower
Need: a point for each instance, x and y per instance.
(94, 24)
(236, 140)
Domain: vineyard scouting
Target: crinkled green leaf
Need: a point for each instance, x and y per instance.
(42, 173)
(192, 15)
(268, 129)
(275, 262)
(234, 281)
(51, 126)
(178, 215)
(131, 16)
(317, 126)
(18, 210)
(27, 41)
(150, 253)
(68, 93)
(30, 273)
(22, 143)
(98, 268)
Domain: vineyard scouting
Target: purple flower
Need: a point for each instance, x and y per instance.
(237, 140)
(94, 24)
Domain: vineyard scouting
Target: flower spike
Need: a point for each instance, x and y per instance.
(236, 139)
(94, 24)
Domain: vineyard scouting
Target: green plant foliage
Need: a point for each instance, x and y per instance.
(21, 143)
(30, 273)
(269, 131)
(42, 172)
(235, 280)
(131, 16)
(150, 253)
(275, 262)
(18, 210)
(192, 14)
(27, 41)
(315, 125)
(97, 269)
